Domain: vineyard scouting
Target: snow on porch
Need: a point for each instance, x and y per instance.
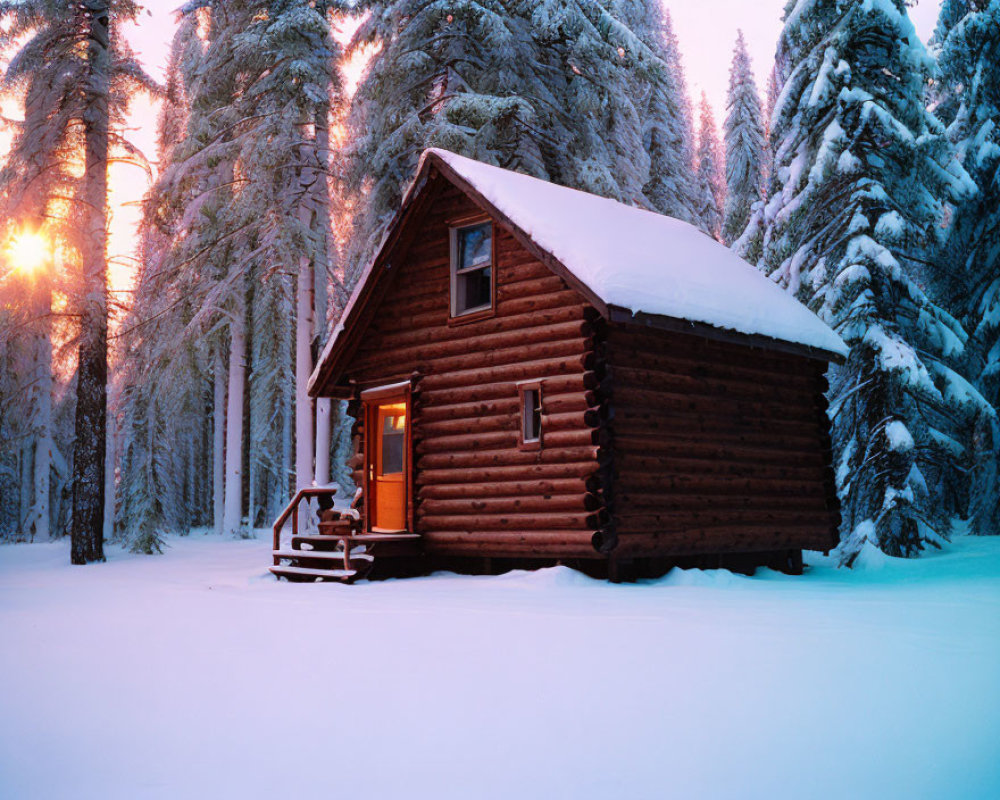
(196, 674)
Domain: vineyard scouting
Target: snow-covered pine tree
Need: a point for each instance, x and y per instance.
(543, 88)
(744, 142)
(289, 44)
(860, 169)
(711, 184)
(666, 123)
(968, 35)
(79, 76)
(674, 61)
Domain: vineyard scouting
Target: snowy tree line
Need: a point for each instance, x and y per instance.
(863, 185)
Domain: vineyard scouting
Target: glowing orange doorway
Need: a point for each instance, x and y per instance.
(387, 463)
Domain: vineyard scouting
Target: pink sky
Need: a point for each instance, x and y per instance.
(706, 29)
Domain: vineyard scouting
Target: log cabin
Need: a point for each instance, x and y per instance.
(539, 375)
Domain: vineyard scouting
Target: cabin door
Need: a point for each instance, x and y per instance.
(387, 463)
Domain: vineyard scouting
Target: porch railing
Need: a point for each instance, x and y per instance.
(293, 506)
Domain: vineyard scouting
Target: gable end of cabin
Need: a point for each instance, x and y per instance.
(491, 358)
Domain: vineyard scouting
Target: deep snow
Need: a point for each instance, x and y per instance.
(195, 674)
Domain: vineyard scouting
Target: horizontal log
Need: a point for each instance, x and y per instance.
(519, 371)
(440, 345)
(527, 503)
(570, 439)
(509, 488)
(528, 521)
(642, 520)
(512, 522)
(555, 384)
(699, 385)
(708, 448)
(467, 442)
(649, 341)
(534, 303)
(671, 427)
(509, 406)
(505, 544)
(744, 370)
(654, 420)
(655, 485)
(590, 418)
(447, 476)
(646, 399)
(724, 539)
(461, 412)
(501, 431)
(530, 287)
(641, 502)
(629, 465)
(507, 458)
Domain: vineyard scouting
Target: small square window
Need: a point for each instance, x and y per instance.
(531, 416)
(472, 269)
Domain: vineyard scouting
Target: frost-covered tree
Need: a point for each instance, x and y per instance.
(711, 191)
(544, 88)
(666, 124)
(968, 35)
(743, 133)
(78, 75)
(861, 169)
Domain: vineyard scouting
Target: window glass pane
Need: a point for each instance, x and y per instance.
(532, 415)
(474, 246)
(393, 439)
(473, 290)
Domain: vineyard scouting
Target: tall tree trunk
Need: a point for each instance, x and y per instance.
(304, 319)
(232, 522)
(303, 369)
(92, 373)
(218, 440)
(43, 413)
(321, 278)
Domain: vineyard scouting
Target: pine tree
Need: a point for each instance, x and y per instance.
(543, 88)
(860, 170)
(78, 76)
(711, 186)
(744, 141)
(666, 124)
(968, 35)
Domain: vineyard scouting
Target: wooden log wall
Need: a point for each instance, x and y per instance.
(718, 448)
(477, 493)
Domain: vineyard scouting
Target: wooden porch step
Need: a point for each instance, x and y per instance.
(293, 573)
(326, 555)
(353, 538)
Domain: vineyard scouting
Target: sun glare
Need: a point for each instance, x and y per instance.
(28, 251)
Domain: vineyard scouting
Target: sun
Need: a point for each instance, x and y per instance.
(28, 251)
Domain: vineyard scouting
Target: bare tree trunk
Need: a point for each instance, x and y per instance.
(92, 373)
(304, 320)
(232, 522)
(303, 369)
(321, 278)
(218, 440)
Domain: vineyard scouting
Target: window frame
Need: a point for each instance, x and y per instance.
(523, 389)
(479, 312)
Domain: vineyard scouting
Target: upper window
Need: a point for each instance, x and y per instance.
(472, 269)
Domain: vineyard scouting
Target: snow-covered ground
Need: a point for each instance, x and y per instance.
(195, 674)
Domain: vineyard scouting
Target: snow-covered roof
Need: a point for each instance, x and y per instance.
(644, 261)
(627, 257)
